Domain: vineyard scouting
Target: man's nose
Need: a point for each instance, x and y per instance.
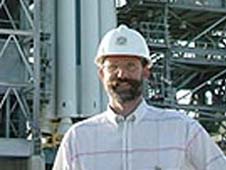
(122, 73)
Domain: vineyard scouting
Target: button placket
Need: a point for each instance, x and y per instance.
(125, 145)
(125, 125)
(131, 121)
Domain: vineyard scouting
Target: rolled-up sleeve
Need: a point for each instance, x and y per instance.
(66, 158)
(202, 152)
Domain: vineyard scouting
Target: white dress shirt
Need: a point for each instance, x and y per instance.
(148, 139)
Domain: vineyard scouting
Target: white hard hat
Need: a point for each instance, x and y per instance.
(122, 41)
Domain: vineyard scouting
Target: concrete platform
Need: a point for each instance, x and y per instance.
(15, 147)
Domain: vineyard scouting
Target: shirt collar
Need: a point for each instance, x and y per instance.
(135, 116)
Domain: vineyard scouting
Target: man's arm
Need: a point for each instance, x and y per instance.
(66, 158)
(202, 152)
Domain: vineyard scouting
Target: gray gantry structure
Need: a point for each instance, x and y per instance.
(187, 39)
(25, 67)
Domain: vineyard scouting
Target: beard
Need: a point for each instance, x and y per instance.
(124, 90)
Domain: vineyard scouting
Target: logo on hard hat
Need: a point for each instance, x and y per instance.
(121, 40)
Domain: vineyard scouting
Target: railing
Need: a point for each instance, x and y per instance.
(201, 3)
(198, 3)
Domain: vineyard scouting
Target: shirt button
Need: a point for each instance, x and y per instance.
(119, 119)
(158, 168)
(133, 118)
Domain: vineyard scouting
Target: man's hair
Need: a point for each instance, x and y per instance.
(143, 61)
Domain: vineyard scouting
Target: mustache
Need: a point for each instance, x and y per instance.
(124, 94)
(117, 81)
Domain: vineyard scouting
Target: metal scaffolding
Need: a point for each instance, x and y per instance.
(20, 72)
(187, 40)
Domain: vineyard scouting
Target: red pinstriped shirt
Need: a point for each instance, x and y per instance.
(148, 139)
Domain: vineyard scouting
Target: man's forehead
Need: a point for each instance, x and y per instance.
(121, 58)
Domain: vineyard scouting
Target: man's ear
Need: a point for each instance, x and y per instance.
(100, 73)
(147, 72)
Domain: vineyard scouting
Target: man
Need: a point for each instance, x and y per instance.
(130, 135)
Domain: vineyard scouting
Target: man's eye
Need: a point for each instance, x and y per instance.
(112, 67)
(131, 66)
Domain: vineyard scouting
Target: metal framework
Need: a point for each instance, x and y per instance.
(187, 40)
(20, 70)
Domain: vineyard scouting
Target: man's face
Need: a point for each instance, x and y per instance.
(123, 77)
